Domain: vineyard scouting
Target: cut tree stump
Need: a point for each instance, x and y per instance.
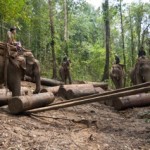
(76, 90)
(19, 104)
(138, 100)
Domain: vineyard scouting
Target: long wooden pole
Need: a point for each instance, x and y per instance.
(91, 100)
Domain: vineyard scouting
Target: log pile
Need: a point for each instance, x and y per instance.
(96, 98)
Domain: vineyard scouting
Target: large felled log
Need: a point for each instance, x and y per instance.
(103, 85)
(50, 82)
(139, 100)
(45, 81)
(53, 90)
(22, 103)
(76, 90)
(93, 99)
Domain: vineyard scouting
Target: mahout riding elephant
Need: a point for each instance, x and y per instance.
(64, 72)
(117, 75)
(141, 71)
(13, 68)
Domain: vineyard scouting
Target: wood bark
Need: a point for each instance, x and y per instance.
(139, 100)
(76, 90)
(19, 104)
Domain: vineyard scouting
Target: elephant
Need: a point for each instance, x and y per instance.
(14, 67)
(141, 71)
(117, 75)
(64, 72)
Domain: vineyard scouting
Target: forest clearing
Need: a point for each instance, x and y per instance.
(74, 76)
(93, 126)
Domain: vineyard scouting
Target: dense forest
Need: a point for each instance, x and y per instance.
(89, 36)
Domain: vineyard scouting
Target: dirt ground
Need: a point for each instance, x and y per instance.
(86, 127)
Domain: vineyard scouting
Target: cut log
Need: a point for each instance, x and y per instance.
(4, 100)
(76, 90)
(50, 82)
(103, 85)
(138, 100)
(19, 104)
(45, 81)
(53, 90)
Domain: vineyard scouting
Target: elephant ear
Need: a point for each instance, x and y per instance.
(18, 61)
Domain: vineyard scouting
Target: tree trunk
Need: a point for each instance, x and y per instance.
(132, 40)
(65, 27)
(107, 32)
(51, 15)
(122, 36)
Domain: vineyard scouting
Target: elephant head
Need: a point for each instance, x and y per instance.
(141, 72)
(33, 70)
(117, 75)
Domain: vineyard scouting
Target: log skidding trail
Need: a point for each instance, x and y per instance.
(145, 87)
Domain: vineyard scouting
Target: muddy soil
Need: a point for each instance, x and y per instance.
(86, 127)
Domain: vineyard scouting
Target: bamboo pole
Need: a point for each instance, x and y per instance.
(91, 100)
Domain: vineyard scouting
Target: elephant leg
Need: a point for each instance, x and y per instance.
(36, 76)
(38, 84)
(69, 77)
(14, 79)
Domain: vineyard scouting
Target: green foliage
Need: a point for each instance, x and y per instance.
(86, 31)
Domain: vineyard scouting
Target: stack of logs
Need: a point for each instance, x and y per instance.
(77, 94)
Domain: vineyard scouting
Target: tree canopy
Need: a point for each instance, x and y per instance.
(79, 30)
